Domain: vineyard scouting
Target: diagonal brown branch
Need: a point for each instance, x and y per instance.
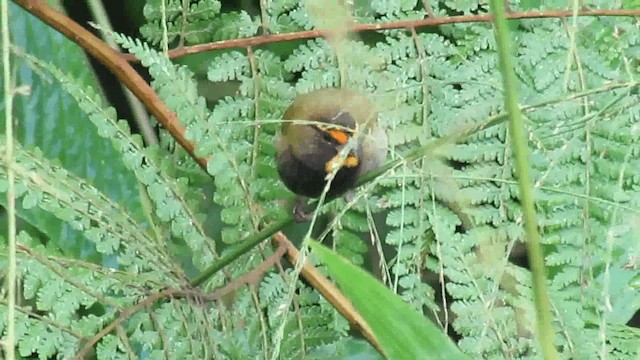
(117, 65)
(328, 291)
(123, 70)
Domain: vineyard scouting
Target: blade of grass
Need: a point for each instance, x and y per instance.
(402, 331)
(544, 330)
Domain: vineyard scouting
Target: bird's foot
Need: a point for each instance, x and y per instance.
(349, 196)
(299, 210)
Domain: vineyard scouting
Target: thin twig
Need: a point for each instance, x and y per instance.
(117, 64)
(254, 239)
(430, 21)
(126, 313)
(252, 278)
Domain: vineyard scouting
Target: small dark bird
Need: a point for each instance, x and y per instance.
(318, 126)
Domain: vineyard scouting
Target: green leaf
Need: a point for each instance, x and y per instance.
(50, 119)
(403, 332)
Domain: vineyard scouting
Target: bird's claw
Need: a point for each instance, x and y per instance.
(299, 213)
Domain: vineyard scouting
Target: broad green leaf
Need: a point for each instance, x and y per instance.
(403, 332)
(50, 119)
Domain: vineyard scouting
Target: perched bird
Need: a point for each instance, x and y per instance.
(317, 127)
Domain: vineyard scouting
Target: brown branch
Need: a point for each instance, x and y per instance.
(430, 21)
(118, 66)
(326, 288)
(251, 278)
(127, 312)
(127, 75)
(254, 276)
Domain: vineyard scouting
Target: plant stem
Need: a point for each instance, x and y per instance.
(10, 341)
(544, 329)
(253, 240)
(242, 248)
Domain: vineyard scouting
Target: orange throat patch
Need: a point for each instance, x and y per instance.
(339, 136)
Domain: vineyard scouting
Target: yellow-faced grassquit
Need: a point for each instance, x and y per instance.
(317, 126)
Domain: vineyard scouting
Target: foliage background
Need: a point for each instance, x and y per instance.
(106, 221)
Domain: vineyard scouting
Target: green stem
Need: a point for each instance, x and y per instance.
(10, 340)
(244, 246)
(255, 239)
(516, 128)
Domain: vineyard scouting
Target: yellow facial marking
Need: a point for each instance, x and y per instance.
(350, 162)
